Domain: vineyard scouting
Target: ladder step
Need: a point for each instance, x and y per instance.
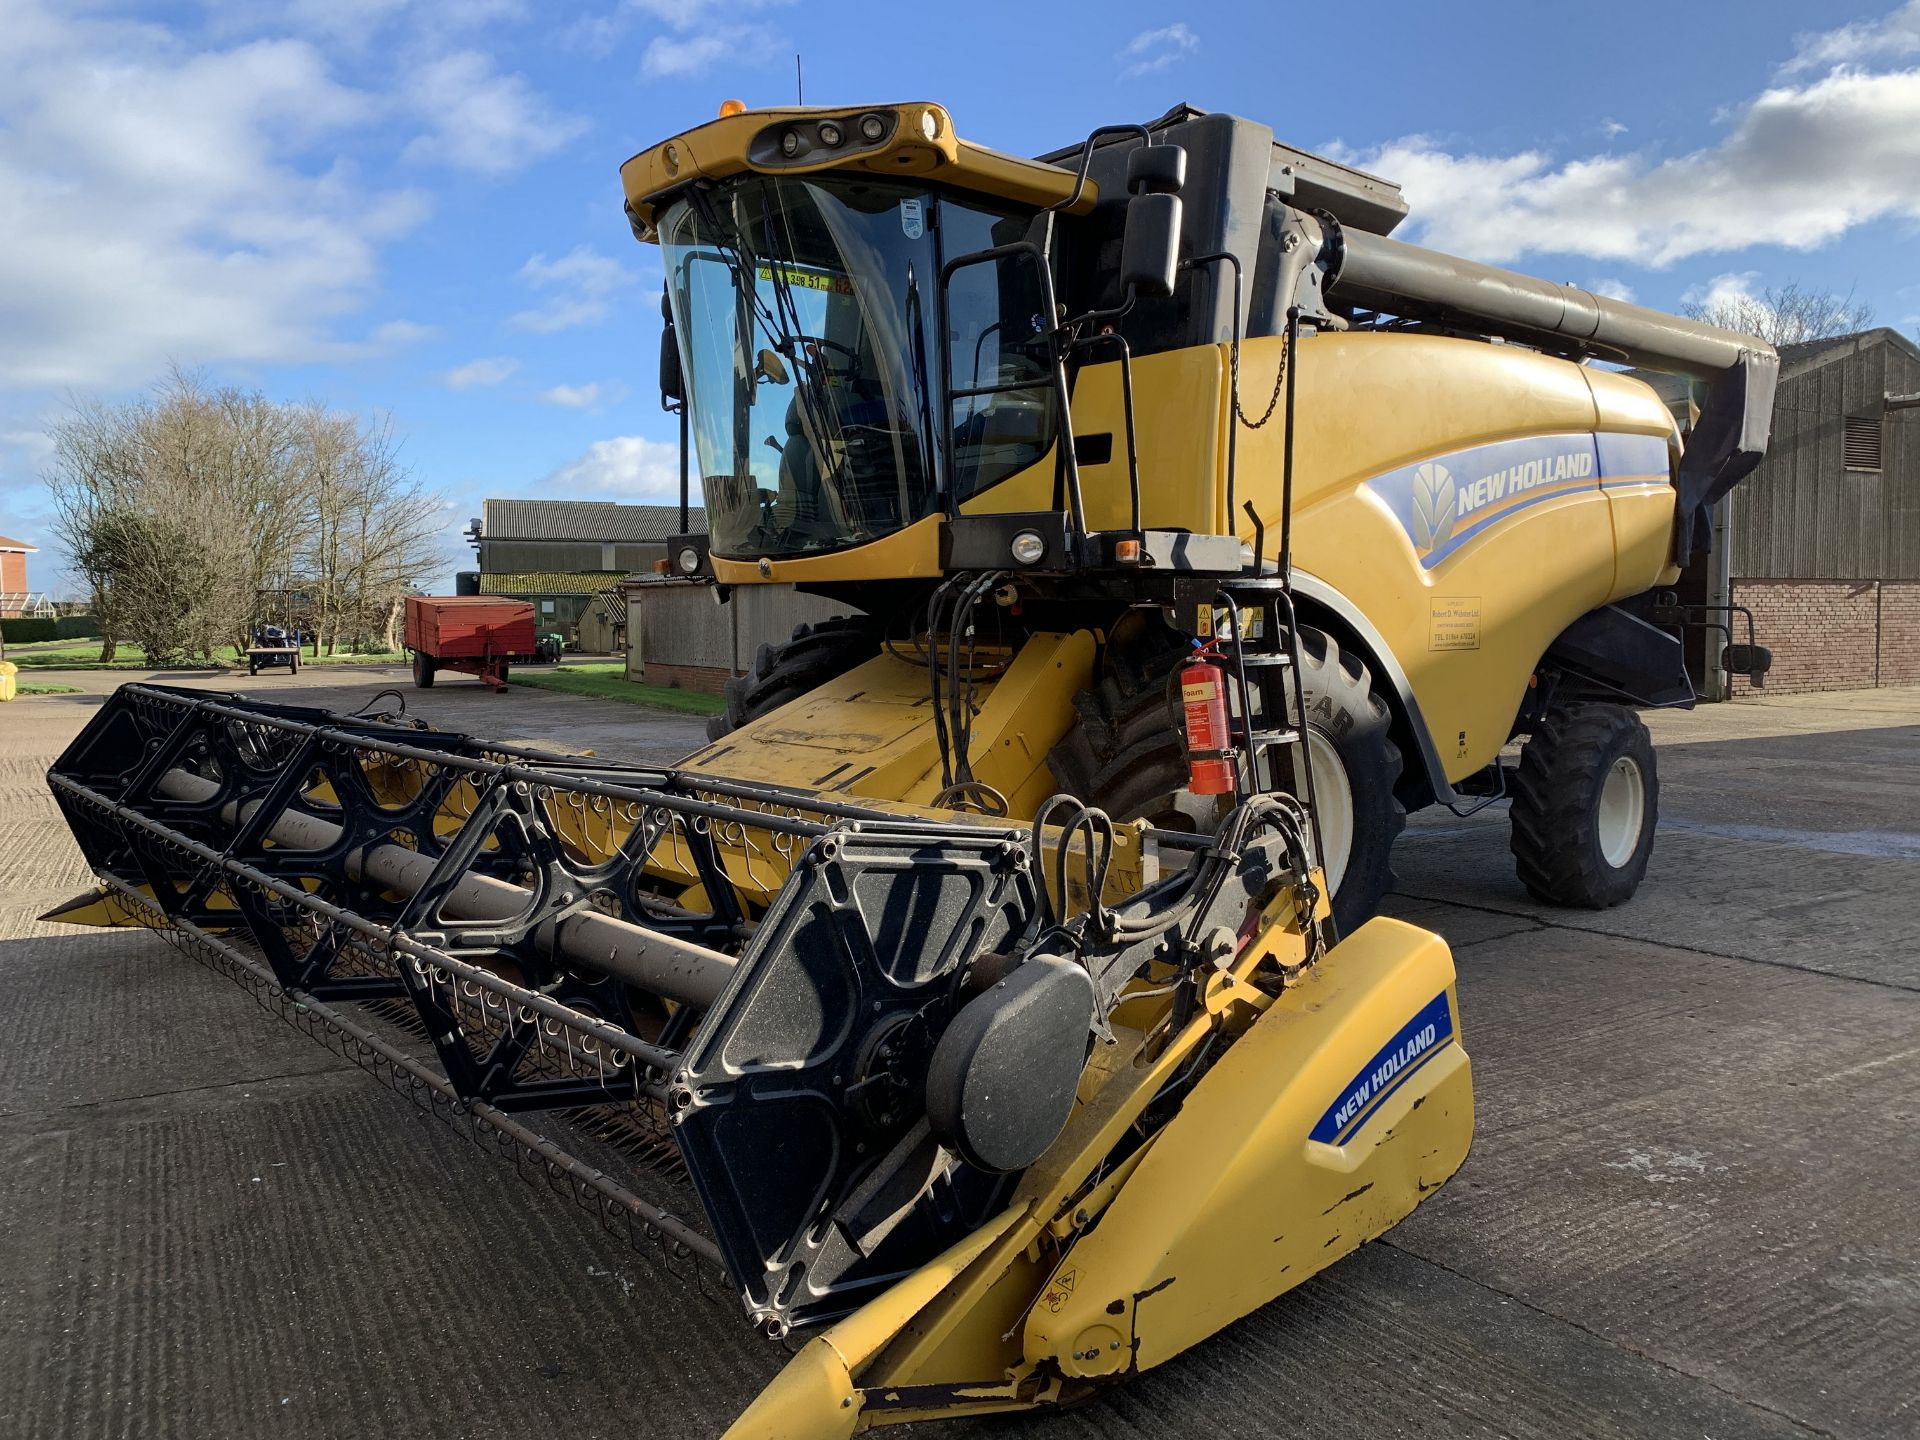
(1274, 737)
(1251, 658)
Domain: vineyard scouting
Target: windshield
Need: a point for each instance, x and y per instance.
(807, 316)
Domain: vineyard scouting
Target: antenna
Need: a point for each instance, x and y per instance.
(799, 84)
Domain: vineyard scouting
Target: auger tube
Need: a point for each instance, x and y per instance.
(1393, 276)
(662, 964)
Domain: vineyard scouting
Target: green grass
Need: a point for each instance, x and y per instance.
(609, 682)
(19, 689)
(85, 655)
(78, 655)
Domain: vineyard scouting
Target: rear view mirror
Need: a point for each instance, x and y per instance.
(1150, 246)
(672, 391)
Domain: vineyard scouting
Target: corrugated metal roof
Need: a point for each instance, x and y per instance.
(547, 582)
(584, 520)
(1834, 346)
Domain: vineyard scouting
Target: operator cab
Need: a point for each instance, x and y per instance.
(808, 311)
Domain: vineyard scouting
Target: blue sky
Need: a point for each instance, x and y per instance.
(414, 207)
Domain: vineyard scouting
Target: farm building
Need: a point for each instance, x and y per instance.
(17, 600)
(565, 555)
(1822, 541)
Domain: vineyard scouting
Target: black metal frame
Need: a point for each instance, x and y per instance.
(519, 1020)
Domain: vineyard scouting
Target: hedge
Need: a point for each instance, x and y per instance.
(26, 632)
(78, 627)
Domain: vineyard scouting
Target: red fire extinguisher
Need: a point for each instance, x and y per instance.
(1210, 772)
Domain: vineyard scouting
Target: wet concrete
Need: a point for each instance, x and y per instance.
(1689, 1209)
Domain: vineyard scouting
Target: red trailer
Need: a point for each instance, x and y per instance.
(476, 634)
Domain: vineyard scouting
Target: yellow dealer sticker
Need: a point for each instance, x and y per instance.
(1454, 623)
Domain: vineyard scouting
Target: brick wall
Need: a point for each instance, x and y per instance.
(708, 679)
(1834, 634)
(1900, 632)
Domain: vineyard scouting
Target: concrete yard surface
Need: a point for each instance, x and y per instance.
(1690, 1208)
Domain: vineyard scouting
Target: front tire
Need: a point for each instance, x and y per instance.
(1124, 754)
(1585, 806)
(422, 671)
(817, 653)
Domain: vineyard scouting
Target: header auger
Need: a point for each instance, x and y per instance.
(997, 1004)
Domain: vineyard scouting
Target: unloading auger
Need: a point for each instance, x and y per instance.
(997, 1112)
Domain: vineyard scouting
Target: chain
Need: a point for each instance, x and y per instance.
(1273, 400)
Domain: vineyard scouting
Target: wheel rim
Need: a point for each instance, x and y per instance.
(1623, 808)
(1333, 805)
(1192, 814)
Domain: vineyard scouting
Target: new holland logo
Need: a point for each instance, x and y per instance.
(1436, 504)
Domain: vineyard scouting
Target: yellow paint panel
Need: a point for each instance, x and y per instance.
(1179, 401)
(909, 554)
(869, 734)
(722, 148)
(1370, 403)
(1234, 1204)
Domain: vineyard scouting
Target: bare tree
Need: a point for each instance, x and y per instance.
(1788, 315)
(94, 477)
(184, 508)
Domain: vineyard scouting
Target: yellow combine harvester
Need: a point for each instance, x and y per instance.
(995, 999)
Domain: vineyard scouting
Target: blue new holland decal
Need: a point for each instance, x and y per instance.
(1415, 1043)
(1444, 502)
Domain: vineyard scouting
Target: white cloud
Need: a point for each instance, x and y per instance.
(481, 120)
(1893, 36)
(1154, 50)
(699, 38)
(1799, 166)
(489, 370)
(1612, 289)
(1729, 292)
(582, 284)
(629, 466)
(574, 397)
(157, 202)
(357, 24)
(1612, 129)
(685, 55)
(397, 334)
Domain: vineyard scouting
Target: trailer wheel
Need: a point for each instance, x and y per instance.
(504, 668)
(1124, 753)
(422, 671)
(817, 653)
(1585, 804)
(293, 664)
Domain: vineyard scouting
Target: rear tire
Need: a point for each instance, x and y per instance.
(504, 668)
(1585, 804)
(422, 671)
(1125, 755)
(817, 653)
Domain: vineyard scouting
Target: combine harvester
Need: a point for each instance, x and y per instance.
(995, 1000)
